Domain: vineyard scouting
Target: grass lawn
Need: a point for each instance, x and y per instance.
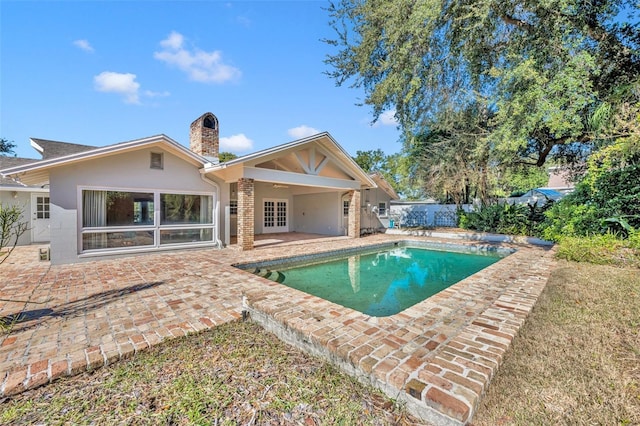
(576, 361)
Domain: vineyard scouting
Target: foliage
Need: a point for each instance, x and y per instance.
(451, 157)
(505, 218)
(371, 161)
(6, 146)
(226, 156)
(567, 218)
(12, 226)
(605, 200)
(395, 168)
(602, 249)
(552, 70)
(514, 182)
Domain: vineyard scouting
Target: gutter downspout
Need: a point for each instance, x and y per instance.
(216, 209)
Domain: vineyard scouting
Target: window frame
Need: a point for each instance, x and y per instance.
(156, 227)
(384, 207)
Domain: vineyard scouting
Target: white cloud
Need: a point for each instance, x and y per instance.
(83, 45)
(387, 118)
(302, 131)
(201, 66)
(236, 143)
(123, 84)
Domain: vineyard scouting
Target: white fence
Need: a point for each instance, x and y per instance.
(412, 214)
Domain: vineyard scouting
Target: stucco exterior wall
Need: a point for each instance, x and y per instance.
(370, 217)
(129, 171)
(319, 213)
(23, 200)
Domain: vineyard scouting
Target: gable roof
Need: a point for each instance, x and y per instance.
(324, 140)
(7, 162)
(38, 171)
(53, 149)
(384, 185)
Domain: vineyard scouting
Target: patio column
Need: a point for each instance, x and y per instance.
(354, 215)
(246, 213)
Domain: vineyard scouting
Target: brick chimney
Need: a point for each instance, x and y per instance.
(204, 138)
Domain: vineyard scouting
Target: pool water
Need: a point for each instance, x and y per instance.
(384, 282)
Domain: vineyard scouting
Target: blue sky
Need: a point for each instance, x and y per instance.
(101, 72)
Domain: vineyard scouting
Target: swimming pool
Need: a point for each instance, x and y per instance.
(379, 282)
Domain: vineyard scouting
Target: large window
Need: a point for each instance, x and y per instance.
(183, 208)
(126, 219)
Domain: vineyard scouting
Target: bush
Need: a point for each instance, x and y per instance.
(565, 218)
(505, 218)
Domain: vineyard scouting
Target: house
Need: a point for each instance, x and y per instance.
(540, 196)
(153, 194)
(560, 180)
(376, 203)
(33, 200)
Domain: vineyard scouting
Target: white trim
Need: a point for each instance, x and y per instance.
(41, 166)
(156, 228)
(275, 229)
(291, 178)
(332, 150)
(23, 189)
(386, 209)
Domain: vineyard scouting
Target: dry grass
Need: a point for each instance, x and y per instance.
(236, 374)
(577, 359)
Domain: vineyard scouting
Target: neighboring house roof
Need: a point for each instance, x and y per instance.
(7, 162)
(287, 163)
(384, 185)
(53, 149)
(547, 193)
(47, 149)
(38, 172)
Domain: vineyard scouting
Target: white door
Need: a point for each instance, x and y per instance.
(345, 216)
(275, 216)
(40, 217)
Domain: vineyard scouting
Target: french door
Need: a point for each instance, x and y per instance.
(275, 216)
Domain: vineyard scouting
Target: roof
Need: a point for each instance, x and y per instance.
(53, 149)
(324, 140)
(384, 185)
(38, 171)
(546, 192)
(7, 162)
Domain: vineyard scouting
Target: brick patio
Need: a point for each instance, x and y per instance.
(439, 355)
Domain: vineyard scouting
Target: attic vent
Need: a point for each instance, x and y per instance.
(157, 160)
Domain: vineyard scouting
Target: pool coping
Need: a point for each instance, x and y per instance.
(436, 357)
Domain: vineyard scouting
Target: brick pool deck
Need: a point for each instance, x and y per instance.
(437, 356)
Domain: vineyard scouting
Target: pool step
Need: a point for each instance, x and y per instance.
(276, 276)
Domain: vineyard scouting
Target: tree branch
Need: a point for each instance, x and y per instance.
(508, 19)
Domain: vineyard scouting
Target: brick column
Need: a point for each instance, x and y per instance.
(354, 215)
(246, 213)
